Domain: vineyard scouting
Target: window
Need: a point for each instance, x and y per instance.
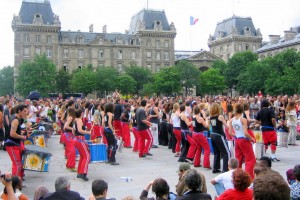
(133, 55)
(37, 38)
(148, 55)
(157, 55)
(101, 53)
(166, 55)
(101, 41)
(26, 39)
(158, 43)
(26, 52)
(157, 68)
(38, 51)
(80, 40)
(120, 55)
(80, 66)
(148, 43)
(166, 43)
(132, 41)
(65, 67)
(101, 65)
(66, 53)
(149, 67)
(119, 40)
(254, 47)
(240, 47)
(80, 53)
(49, 53)
(247, 47)
(49, 39)
(66, 39)
(120, 67)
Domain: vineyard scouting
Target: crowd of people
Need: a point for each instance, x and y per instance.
(190, 126)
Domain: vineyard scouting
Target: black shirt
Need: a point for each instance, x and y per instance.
(198, 127)
(216, 125)
(118, 111)
(18, 131)
(265, 116)
(153, 119)
(126, 116)
(183, 125)
(141, 115)
(77, 132)
(6, 113)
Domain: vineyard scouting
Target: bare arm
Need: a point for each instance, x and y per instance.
(185, 119)
(110, 117)
(13, 130)
(67, 124)
(201, 121)
(231, 133)
(222, 119)
(79, 127)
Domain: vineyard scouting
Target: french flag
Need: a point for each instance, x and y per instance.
(193, 21)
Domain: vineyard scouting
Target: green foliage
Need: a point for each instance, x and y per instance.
(38, 74)
(63, 79)
(106, 79)
(211, 82)
(220, 65)
(141, 75)
(167, 81)
(7, 81)
(83, 81)
(126, 84)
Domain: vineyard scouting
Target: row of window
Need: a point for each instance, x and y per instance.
(158, 43)
(38, 51)
(224, 49)
(38, 39)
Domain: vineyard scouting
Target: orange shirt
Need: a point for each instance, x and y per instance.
(224, 106)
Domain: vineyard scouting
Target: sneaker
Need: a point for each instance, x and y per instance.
(83, 177)
(114, 163)
(216, 171)
(189, 160)
(154, 146)
(275, 160)
(142, 156)
(79, 175)
(149, 154)
(177, 155)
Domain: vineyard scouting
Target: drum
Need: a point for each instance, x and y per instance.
(87, 136)
(258, 136)
(36, 158)
(259, 150)
(37, 138)
(282, 139)
(98, 152)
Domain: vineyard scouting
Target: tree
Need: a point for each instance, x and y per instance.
(38, 75)
(211, 82)
(236, 65)
(167, 81)
(7, 81)
(188, 73)
(106, 79)
(141, 75)
(221, 65)
(63, 80)
(83, 81)
(126, 84)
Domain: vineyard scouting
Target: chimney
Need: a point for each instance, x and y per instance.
(91, 28)
(289, 35)
(104, 29)
(274, 38)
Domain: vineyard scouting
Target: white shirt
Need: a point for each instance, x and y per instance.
(226, 179)
(32, 111)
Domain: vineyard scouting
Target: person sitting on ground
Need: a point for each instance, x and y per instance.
(290, 176)
(40, 192)
(265, 162)
(295, 187)
(193, 181)
(224, 181)
(270, 185)
(62, 191)
(241, 181)
(99, 190)
(8, 188)
(17, 187)
(181, 186)
(160, 187)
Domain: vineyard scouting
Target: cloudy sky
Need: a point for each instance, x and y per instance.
(271, 16)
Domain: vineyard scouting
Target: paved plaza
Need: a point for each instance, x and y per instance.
(141, 170)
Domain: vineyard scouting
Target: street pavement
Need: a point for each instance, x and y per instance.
(142, 170)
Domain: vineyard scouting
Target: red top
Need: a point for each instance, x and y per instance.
(233, 194)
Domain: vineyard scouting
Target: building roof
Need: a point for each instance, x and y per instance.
(30, 8)
(148, 17)
(239, 23)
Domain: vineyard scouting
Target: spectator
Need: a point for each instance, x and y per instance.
(99, 189)
(265, 161)
(40, 192)
(181, 186)
(224, 181)
(17, 187)
(62, 191)
(290, 176)
(160, 187)
(270, 185)
(193, 181)
(241, 181)
(8, 189)
(295, 187)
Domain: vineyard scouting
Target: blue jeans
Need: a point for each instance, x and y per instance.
(219, 188)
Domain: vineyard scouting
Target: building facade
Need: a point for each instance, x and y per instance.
(149, 42)
(232, 35)
(277, 44)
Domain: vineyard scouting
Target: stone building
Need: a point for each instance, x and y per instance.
(149, 42)
(235, 34)
(276, 44)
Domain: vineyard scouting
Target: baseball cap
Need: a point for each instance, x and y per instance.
(184, 166)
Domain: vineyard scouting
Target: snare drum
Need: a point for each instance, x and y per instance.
(259, 150)
(38, 138)
(98, 152)
(258, 136)
(282, 139)
(36, 158)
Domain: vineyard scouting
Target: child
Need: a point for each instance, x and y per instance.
(282, 127)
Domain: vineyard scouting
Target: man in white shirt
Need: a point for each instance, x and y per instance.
(224, 181)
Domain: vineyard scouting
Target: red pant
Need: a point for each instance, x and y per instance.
(270, 138)
(70, 150)
(192, 149)
(15, 154)
(145, 135)
(136, 139)
(177, 133)
(118, 128)
(244, 152)
(84, 153)
(95, 132)
(126, 134)
(201, 143)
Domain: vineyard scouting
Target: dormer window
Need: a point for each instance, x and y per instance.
(80, 40)
(119, 40)
(37, 16)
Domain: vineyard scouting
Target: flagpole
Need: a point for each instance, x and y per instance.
(191, 39)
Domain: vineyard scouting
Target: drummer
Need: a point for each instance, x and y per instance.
(81, 146)
(14, 144)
